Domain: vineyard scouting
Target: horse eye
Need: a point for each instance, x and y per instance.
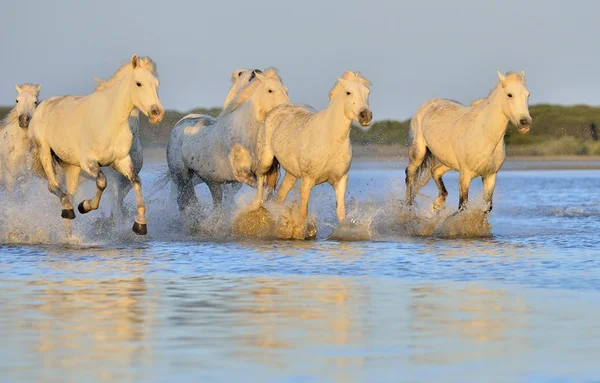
(510, 95)
(270, 91)
(17, 101)
(138, 83)
(240, 74)
(348, 93)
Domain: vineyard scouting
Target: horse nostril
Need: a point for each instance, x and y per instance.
(362, 115)
(155, 112)
(524, 121)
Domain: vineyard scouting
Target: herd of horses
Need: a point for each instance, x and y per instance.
(258, 133)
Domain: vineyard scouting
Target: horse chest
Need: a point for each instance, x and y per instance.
(107, 151)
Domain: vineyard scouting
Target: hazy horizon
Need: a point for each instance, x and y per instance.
(410, 51)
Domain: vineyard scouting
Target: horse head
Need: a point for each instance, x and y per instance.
(26, 102)
(515, 102)
(355, 92)
(144, 89)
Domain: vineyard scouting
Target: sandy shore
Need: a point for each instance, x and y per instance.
(396, 157)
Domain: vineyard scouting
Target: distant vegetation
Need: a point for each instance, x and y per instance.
(557, 130)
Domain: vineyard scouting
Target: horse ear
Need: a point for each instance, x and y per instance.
(99, 81)
(522, 75)
(134, 61)
(18, 88)
(236, 73)
(342, 81)
(501, 77)
(39, 87)
(260, 76)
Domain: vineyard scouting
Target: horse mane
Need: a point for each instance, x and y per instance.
(509, 77)
(126, 68)
(12, 115)
(349, 75)
(244, 94)
(479, 101)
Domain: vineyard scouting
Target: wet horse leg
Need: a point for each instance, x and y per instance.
(93, 169)
(216, 191)
(489, 183)
(416, 154)
(45, 158)
(125, 167)
(437, 172)
(464, 181)
(286, 185)
(306, 186)
(340, 196)
(71, 183)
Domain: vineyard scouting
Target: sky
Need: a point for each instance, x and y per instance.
(411, 50)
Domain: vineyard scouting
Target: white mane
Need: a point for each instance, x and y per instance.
(125, 69)
(243, 95)
(352, 76)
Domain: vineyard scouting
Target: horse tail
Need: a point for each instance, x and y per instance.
(273, 176)
(416, 142)
(424, 174)
(161, 181)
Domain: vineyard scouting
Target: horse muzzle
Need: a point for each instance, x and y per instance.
(156, 114)
(524, 125)
(365, 117)
(24, 120)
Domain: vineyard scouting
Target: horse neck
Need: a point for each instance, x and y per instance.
(119, 105)
(134, 121)
(492, 122)
(338, 125)
(242, 124)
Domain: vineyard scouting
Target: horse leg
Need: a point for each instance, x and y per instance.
(464, 181)
(231, 190)
(71, 178)
(260, 186)
(437, 172)
(265, 162)
(45, 158)
(216, 191)
(88, 205)
(306, 186)
(186, 195)
(489, 183)
(286, 185)
(272, 178)
(416, 156)
(340, 196)
(123, 187)
(125, 167)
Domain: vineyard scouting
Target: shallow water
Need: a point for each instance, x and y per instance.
(521, 306)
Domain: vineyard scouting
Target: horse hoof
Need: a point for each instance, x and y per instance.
(68, 214)
(140, 228)
(82, 208)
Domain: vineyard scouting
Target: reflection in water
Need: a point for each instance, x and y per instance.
(80, 326)
(477, 321)
(326, 328)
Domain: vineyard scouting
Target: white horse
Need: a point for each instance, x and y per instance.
(222, 151)
(447, 135)
(313, 146)
(89, 132)
(239, 79)
(119, 184)
(14, 144)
